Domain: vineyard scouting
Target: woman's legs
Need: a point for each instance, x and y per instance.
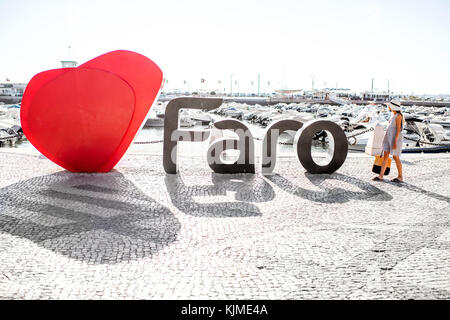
(384, 164)
(398, 163)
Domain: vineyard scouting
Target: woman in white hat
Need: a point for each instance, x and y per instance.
(393, 141)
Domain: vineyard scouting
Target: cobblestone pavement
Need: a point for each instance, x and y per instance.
(136, 233)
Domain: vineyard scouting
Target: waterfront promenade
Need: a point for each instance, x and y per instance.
(265, 101)
(136, 233)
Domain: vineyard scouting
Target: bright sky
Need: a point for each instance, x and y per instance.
(287, 41)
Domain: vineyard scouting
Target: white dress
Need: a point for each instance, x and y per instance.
(389, 137)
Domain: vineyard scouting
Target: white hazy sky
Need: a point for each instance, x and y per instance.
(287, 41)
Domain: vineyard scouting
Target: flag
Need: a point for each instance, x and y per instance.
(252, 83)
(219, 81)
(7, 80)
(202, 80)
(184, 81)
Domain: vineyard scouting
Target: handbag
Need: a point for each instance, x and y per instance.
(376, 168)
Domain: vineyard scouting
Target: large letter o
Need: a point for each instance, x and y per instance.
(304, 138)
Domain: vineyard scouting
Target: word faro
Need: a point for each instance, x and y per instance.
(244, 141)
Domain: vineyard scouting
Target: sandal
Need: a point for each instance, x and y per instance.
(377, 179)
(397, 180)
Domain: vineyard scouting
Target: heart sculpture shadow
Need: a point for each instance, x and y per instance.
(94, 218)
(85, 118)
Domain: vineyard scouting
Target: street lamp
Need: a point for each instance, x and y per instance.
(231, 85)
(259, 78)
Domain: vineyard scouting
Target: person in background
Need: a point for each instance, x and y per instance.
(393, 141)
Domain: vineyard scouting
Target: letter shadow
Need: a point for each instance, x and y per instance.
(331, 194)
(94, 218)
(248, 189)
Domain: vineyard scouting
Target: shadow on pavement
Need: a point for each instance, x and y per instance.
(331, 194)
(247, 189)
(414, 188)
(95, 218)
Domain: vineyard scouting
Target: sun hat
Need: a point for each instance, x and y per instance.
(395, 105)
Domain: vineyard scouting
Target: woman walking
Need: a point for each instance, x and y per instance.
(393, 141)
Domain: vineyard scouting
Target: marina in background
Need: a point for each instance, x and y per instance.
(427, 116)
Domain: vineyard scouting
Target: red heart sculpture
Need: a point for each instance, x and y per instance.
(84, 119)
